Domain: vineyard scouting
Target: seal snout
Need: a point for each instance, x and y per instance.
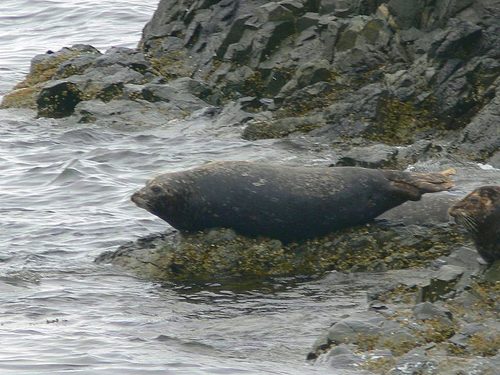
(139, 200)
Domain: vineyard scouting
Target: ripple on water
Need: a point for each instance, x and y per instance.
(65, 196)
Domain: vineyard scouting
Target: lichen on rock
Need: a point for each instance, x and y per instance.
(220, 254)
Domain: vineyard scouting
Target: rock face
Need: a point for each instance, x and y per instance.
(373, 72)
(391, 72)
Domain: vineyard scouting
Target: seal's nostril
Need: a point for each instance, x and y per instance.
(134, 197)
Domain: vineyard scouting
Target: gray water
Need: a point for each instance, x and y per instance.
(64, 199)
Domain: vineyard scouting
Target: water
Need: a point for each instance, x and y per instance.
(64, 199)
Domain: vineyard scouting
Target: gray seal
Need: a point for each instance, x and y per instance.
(283, 202)
(479, 213)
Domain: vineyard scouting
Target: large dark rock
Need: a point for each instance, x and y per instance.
(393, 72)
(58, 99)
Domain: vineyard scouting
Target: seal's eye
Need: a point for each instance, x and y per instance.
(474, 199)
(156, 189)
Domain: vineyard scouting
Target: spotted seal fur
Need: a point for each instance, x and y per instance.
(283, 202)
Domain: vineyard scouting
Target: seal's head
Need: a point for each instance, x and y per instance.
(158, 197)
(479, 213)
(476, 207)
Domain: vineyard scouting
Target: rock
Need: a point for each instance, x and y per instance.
(342, 356)
(75, 65)
(492, 273)
(58, 99)
(169, 93)
(441, 284)
(353, 115)
(429, 311)
(197, 88)
(494, 161)
(480, 136)
(233, 114)
(195, 257)
(406, 13)
(393, 72)
(376, 156)
(126, 113)
(122, 56)
(415, 362)
(44, 68)
(281, 127)
(430, 210)
(355, 331)
(461, 39)
(361, 46)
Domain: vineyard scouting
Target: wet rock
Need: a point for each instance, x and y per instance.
(431, 210)
(441, 284)
(233, 114)
(343, 357)
(494, 161)
(281, 127)
(376, 156)
(197, 88)
(124, 57)
(429, 311)
(43, 69)
(191, 257)
(58, 99)
(126, 112)
(169, 93)
(353, 115)
(460, 40)
(480, 136)
(355, 331)
(415, 362)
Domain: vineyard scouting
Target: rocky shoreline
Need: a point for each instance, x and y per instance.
(400, 82)
(384, 84)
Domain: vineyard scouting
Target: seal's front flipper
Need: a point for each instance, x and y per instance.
(413, 185)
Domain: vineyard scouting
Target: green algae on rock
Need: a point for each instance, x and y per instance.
(459, 333)
(45, 68)
(218, 254)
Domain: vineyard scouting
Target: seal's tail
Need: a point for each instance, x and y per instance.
(413, 185)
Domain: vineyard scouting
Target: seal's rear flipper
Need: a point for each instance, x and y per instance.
(413, 185)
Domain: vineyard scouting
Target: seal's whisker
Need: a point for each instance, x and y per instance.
(478, 213)
(470, 223)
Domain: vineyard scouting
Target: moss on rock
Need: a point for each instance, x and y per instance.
(280, 128)
(171, 64)
(399, 122)
(25, 93)
(222, 254)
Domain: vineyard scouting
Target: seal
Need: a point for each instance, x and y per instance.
(479, 213)
(283, 202)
